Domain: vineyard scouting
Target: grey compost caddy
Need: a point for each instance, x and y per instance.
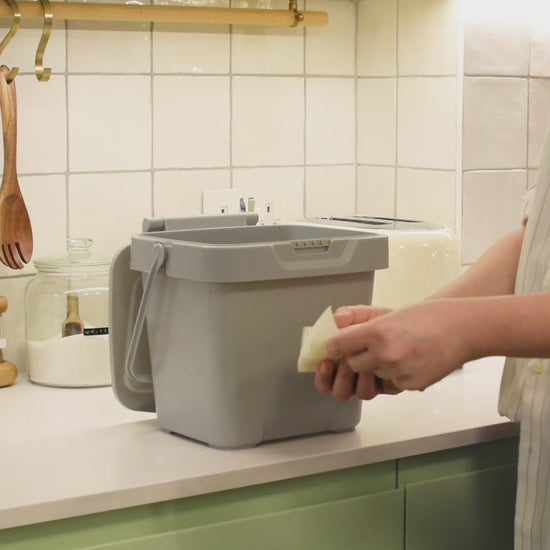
(206, 316)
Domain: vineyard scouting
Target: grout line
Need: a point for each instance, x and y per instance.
(396, 107)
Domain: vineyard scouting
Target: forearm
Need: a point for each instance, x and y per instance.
(492, 275)
(516, 325)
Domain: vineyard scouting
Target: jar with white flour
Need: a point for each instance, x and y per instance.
(67, 318)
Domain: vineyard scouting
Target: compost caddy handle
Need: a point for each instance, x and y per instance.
(158, 260)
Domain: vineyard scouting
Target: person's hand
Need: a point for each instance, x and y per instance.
(411, 348)
(341, 380)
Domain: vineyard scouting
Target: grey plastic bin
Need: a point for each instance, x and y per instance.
(222, 311)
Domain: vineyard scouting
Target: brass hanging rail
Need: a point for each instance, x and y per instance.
(91, 11)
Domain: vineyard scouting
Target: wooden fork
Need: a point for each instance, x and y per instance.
(16, 242)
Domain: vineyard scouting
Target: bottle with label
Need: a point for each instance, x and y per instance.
(72, 325)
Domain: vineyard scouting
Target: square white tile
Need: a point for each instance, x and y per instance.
(91, 47)
(268, 50)
(427, 195)
(496, 46)
(268, 121)
(427, 122)
(191, 121)
(376, 120)
(330, 50)
(377, 37)
(495, 123)
(290, 182)
(21, 50)
(539, 117)
(179, 193)
(46, 201)
(41, 124)
(540, 41)
(108, 208)
(191, 48)
(330, 191)
(427, 37)
(484, 219)
(376, 191)
(330, 120)
(109, 123)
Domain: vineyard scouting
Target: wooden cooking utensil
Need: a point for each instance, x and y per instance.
(16, 242)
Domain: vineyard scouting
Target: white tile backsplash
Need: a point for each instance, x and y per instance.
(496, 47)
(267, 127)
(426, 122)
(427, 195)
(90, 46)
(495, 123)
(268, 50)
(190, 121)
(377, 38)
(330, 120)
(427, 37)
(108, 208)
(21, 50)
(376, 191)
(179, 192)
(330, 50)
(540, 46)
(486, 219)
(42, 124)
(109, 123)
(330, 191)
(376, 120)
(191, 48)
(539, 117)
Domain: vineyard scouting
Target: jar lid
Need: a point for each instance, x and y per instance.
(78, 258)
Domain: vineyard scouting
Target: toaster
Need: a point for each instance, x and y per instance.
(423, 256)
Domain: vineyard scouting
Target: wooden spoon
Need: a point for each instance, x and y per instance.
(16, 243)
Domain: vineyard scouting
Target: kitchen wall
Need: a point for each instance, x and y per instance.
(365, 115)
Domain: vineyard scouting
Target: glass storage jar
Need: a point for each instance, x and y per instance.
(67, 318)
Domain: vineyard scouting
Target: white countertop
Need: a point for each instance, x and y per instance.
(68, 452)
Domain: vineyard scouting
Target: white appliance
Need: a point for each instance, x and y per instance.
(423, 257)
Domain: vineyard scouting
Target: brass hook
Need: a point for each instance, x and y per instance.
(11, 33)
(298, 15)
(43, 73)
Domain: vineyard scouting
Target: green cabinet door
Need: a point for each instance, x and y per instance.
(473, 511)
(371, 522)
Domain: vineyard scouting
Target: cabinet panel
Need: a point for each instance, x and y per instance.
(373, 522)
(473, 511)
(457, 461)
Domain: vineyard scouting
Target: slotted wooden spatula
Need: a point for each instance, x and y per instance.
(16, 242)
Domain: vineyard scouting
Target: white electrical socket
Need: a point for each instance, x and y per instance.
(266, 202)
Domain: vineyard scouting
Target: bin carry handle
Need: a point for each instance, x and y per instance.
(158, 260)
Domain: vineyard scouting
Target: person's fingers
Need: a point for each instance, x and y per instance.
(366, 387)
(364, 362)
(388, 387)
(344, 382)
(324, 376)
(352, 315)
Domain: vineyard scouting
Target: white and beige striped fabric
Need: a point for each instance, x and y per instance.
(525, 385)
